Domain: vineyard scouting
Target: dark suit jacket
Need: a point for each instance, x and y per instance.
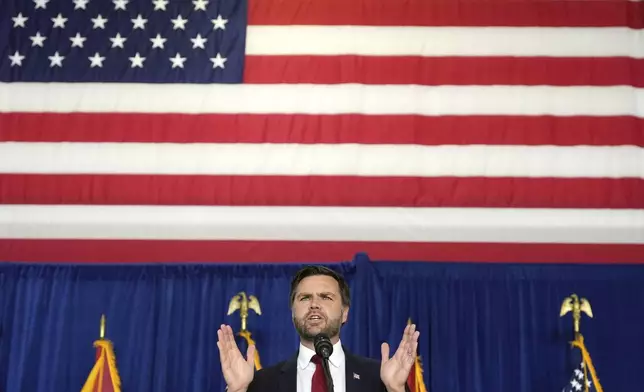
(283, 376)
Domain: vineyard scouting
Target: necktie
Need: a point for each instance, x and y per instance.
(318, 384)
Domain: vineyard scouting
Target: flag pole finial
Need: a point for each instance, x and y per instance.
(102, 332)
(577, 306)
(244, 303)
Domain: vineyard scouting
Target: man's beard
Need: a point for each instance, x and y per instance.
(331, 328)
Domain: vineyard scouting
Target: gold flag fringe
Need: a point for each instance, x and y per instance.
(250, 341)
(107, 354)
(579, 343)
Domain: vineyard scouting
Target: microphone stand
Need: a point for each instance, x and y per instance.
(324, 348)
(327, 374)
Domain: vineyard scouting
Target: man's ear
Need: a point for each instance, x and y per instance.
(345, 314)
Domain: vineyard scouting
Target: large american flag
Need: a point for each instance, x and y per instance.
(266, 130)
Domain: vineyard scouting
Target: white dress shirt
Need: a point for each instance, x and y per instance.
(306, 368)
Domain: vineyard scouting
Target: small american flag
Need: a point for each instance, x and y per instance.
(578, 379)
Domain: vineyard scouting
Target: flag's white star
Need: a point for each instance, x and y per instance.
(59, 21)
(219, 23)
(41, 4)
(99, 22)
(160, 4)
(78, 40)
(177, 61)
(19, 21)
(179, 23)
(139, 22)
(37, 40)
(97, 60)
(56, 60)
(198, 42)
(16, 59)
(80, 4)
(137, 60)
(118, 41)
(218, 61)
(120, 4)
(158, 41)
(200, 4)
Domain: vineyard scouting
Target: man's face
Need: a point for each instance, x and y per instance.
(318, 308)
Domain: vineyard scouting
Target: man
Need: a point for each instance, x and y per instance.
(320, 302)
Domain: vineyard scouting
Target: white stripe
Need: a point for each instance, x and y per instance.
(323, 99)
(445, 41)
(322, 159)
(324, 224)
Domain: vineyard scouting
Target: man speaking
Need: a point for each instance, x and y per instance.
(320, 301)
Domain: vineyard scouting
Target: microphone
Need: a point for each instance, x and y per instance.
(324, 348)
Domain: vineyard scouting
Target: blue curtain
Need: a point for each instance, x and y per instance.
(497, 327)
(485, 327)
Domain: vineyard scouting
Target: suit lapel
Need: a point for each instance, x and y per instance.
(288, 376)
(353, 377)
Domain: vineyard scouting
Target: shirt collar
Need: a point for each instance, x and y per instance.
(305, 354)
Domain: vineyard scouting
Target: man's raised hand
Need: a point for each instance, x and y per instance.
(394, 371)
(238, 371)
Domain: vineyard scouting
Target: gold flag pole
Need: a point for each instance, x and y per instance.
(244, 303)
(102, 331)
(578, 306)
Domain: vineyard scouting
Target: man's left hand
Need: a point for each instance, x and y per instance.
(394, 371)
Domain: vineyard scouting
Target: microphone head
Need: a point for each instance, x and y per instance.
(323, 345)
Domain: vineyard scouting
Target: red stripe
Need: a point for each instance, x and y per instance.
(122, 251)
(531, 71)
(321, 191)
(105, 383)
(307, 129)
(448, 13)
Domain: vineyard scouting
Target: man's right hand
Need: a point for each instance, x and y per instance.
(238, 372)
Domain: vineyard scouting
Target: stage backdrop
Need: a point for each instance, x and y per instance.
(484, 327)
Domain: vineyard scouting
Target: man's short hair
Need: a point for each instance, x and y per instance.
(314, 270)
